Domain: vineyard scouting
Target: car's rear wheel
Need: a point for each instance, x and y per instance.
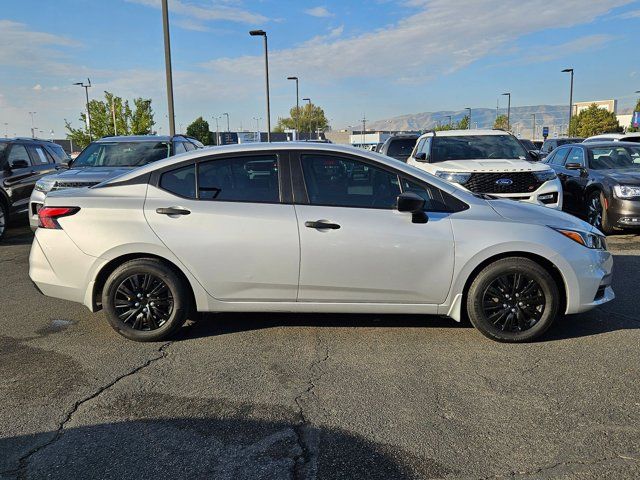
(513, 300)
(597, 213)
(145, 300)
(3, 219)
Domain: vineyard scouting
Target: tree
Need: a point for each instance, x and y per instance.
(501, 122)
(631, 127)
(138, 122)
(593, 121)
(199, 129)
(463, 124)
(311, 119)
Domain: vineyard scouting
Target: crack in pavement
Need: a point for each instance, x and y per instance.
(305, 465)
(23, 462)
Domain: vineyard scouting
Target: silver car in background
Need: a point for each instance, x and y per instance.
(311, 228)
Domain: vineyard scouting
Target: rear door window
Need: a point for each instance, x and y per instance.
(18, 152)
(38, 155)
(181, 182)
(560, 156)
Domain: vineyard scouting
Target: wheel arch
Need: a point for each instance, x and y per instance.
(109, 267)
(547, 264)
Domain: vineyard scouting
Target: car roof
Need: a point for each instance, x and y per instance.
(610, 144)
(26, 139)
(464, 133)
(265, 147)
(136, 138)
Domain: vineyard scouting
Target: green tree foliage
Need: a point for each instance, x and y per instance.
(199, 129)
(127, 122)
(463, 124)
(311, 118)
(631, 127)
(593, 121)
(501, 122)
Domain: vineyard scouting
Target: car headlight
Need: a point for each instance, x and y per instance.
(626, 191)
(545, 175)
(45, 185)
(454, 177)
(587, 239)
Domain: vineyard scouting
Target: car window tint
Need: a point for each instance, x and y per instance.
(342, 182)
(179, 147)
(18, 152)
(181, 181)
(241, 179)
(605, 158)
(560, 156)
(550, 158)
(576, 156)
(401, 147)
(189, 146)
(418, 147)
(432, 196)
(58, 153)
(38, 155)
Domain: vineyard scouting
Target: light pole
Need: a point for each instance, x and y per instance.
(449, 117)
(508, 94)
(257, 127)
(217, 129)
(469, 125)
(86, 93)
(310, 115)
(167, 66)
(263, 34)
(297, 105)
(227, 115)
(570, 70)
(33, 128)
(534, 126)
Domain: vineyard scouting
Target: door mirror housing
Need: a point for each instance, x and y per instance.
(535, 156)
(421, 157)
(573, 166)
(414, 204)
(18, 163)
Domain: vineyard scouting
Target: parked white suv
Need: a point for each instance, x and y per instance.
(488, 162)
(614, 137)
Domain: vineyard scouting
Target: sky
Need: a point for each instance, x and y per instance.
(377, 58)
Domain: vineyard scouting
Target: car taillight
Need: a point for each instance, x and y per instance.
(48, 216)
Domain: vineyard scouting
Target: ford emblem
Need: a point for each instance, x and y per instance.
(504, 181)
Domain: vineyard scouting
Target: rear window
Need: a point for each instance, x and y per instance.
(401, 147)
(121, 154)
(58, 153)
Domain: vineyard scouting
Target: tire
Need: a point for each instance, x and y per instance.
(4, 219)
(145, 300)
(491, 301)
(597, 214)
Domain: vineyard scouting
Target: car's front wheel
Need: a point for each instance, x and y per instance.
(597, 213)
(145, 300)
(3, 219)
(513, 300)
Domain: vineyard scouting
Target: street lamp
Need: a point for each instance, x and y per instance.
(508, 94)
(570, 70)
(469, 125)
(262, 33)
(297, 105)
(449, 117)
(217, 128)
(257, 127)
(33, 128)
(310, 115)
(227, 115)
(167, 66)
(86, 92)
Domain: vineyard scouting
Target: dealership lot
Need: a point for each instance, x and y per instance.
(316, 396)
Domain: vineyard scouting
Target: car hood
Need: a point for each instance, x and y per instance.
(491, 165)
(89, 174)
(625, 177)
(529, 213)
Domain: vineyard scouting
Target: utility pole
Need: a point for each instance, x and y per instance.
(217, 130)
(33, 128)
(570, 70)
(167, 66)
(263, 34)
(534, 126)
(228, 128)
(508, 94)
(364, 127)
(297, 105)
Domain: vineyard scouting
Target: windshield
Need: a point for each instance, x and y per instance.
(477, 147)
(401, 147)
(608, 158)
(121, 154)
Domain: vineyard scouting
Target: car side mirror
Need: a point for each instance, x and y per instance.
(535, 156)
(18, 163)
(414, 204)
(421, 157)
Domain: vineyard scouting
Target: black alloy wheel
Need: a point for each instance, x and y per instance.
(144, 302)
(594, 210)
(513, 302)
(3, 219)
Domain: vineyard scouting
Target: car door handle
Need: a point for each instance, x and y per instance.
(173, 211)
(322, 225)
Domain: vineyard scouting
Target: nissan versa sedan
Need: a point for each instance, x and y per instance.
(311, 228)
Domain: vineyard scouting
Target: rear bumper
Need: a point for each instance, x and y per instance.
(60, 272)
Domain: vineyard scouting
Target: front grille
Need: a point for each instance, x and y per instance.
(64, 185)
(521, 182)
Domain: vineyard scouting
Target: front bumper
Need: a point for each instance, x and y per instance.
(624, 213)
(35, 203)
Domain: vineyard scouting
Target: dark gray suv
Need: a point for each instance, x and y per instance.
(22, 162)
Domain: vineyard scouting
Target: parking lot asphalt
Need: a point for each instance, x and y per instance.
(257, 396)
